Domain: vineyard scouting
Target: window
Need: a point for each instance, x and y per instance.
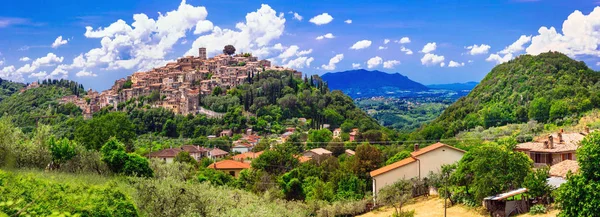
(567, 156)
(539, 157)
(232, 173)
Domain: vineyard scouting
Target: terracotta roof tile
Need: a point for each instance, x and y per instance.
(561, 169)
(431, 148)
(229, 164)
(390, 167)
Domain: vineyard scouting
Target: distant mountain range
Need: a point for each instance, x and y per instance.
(454, 86)
(364, 83)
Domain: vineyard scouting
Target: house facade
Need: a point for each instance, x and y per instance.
(421, 162)
(230, 167)
(317, 154)
(553, 149)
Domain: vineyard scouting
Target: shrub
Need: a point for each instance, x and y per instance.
(537, 209)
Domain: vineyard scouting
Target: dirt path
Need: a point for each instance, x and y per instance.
(434, 207)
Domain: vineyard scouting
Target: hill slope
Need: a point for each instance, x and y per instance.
(549, 87)
(8, 88)
(370, 82)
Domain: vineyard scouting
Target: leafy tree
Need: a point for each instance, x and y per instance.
(580, 196)
(137, 165)
(217, 91)
(336, 146)
(97, 131)
(62, 151)
(537, 184)
(397, 157)
(229, 50)
(170, 129)
(366, 159)
(275, 162)
(396, 195)
(318, 137)
(559, 109)
(315, 189)
(118, 161)
(473, 171)
(185, 157)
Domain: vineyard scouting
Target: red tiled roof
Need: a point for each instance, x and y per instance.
(431, 148)
(229, 164)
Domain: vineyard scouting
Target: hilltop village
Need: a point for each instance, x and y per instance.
(177, 85)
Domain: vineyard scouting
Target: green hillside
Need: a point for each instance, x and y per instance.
(8, 88)
(549, 87)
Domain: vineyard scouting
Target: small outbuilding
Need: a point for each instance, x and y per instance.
(506, 204)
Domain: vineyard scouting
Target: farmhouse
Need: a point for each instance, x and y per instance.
(553, 149)
(418, 165)
(230, 167)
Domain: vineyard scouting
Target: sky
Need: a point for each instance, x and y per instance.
(430, 41)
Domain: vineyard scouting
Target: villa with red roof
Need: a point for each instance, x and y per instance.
(230, 167)
(420, 163)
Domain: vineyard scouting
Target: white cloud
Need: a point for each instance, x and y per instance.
(348, 21)
(293, 51)
(145, 43)
(297, 17)
(2, 62)
(374, 62)
(59, 72)
(580, 36)
(382, 48)
(478, 49)
(334, 60)
(442, 64)
(455, 64)
(355, 65)
(406, 50)
(254, 36)
(24, 59)
(9, 73)
(47, 60)
(84, 73)
(390, 64)
(499, 59)
(431, 59)
(203, 26)
(39, 75)
(328, 35)
(361, 45)
(597, 63)
(321, 19)
(59, 41)
(403, 40)
(429, 47)
(517, 46)
(299, 63)
(470, 61)
(386, 41)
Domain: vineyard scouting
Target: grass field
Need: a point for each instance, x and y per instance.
(434, 207)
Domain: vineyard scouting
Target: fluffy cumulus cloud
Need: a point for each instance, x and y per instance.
(510, 51)
(386, 41)
(203, 26)
(580, 36)
(348, 21)
(143, 44)
(453, 64)
(403, 40)
(59, 42)
(374, 62)
(293, 57)
(361, 45)
(48, 60)
(477, 49)
(355, 65)
(321, 19)
(429, 47)
(84, 73)
(431, 59)
(333, 61)
(328, 35)
(254, 36)
(24, 59)
(499, 58)
(10, 73)
(442, 64)
(390, 64)
(406, 51)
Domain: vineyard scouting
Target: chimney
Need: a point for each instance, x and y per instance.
(560, 136)
(550, 142)
(416, 147)
(545, 144)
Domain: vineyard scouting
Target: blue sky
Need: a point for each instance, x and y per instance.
(439, 34)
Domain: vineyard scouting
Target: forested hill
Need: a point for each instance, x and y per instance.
(549, 87)
(8, 88)
(365, 83)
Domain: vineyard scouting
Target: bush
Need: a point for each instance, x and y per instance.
(39, 197)
(537, 209)
(113, 153)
